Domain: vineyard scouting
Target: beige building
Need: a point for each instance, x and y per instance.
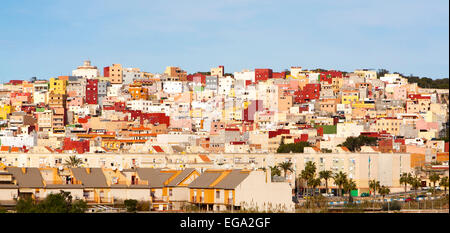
(217, 71)
(240, 189)
(389, 124)
(385, 167)
(172, 71)
(115, 73)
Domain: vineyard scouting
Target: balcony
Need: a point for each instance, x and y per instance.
(163, 199)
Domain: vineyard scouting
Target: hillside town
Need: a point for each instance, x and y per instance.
(221, 141)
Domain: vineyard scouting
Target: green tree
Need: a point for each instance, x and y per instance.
(355, 143)
(444, 183)
(73, 161)
(292, 147)
(415, 183)
(405, 179)
(434, 177)
(340, 179)
(314, 183)
(131, 205)
(308, 174)
(54, 203)
(26, 205)
(275, 171)
(374, 185)
(286, 166)
(349, 185)
(384, 191)
(326, 175)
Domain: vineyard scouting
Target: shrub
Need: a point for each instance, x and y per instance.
(143, 206)
(131, 205)
(395, 205)
(53, 203)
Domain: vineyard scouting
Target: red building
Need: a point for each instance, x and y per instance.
(92, 91)
(106, 71)
(80, 146)
(303, 138)
(249, 112)
(197, 77)
(278, 132)
(329, 75)
(418, 96)
(279, 75)
(309, 92)
(262, 74)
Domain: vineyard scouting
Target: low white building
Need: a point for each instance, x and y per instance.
(28, 140)
(173, 87)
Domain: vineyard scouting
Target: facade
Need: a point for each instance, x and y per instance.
(86, 70)
(114, 73)
(92, 91)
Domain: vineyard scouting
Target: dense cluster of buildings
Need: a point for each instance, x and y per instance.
(125, 118)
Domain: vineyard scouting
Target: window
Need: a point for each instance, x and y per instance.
(170, 192)
(217, 194)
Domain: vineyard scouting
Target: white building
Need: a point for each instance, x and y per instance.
(173, 87)
(86, 70)
(28, 140)
(130, 74)
(245, 75)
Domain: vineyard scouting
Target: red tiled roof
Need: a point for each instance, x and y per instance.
(49, 149)
(15, 149)
(237, 143)
(4, 148)
(158, 149)
(231, 129)
(204, 158)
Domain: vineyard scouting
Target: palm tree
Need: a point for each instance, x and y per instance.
(313, 183)
(305, 176)
(308, 173)
(384, 191)
(349, 185)
(405, 179)
(310, 167)
(275, 171)
(415, 184)
(286, 166)
(340, 179)
(434, 177)
(73, 161)
(444, 183)
(374, 185)
(326, 174)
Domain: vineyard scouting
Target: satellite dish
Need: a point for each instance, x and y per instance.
(120, 168)
(114, 168)
(61, 168)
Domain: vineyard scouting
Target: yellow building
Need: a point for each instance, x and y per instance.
(5, 110)
(349, 99)
(362, 104)
(389, 124)
(57, 86)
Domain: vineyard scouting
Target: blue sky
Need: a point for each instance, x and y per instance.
(49, 38)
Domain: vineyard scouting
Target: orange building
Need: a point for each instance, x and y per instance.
(138, 92)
